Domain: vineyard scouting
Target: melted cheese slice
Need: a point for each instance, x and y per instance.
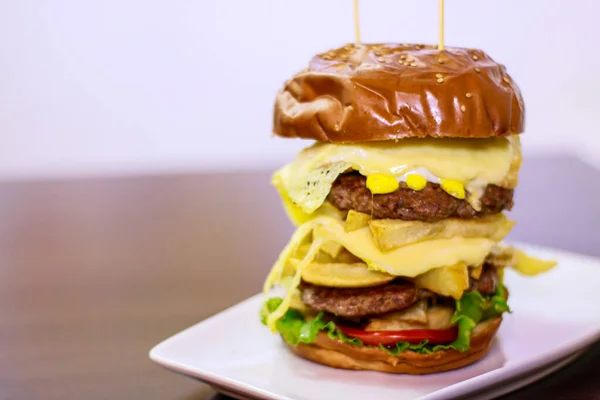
(306, 182)
(407, 261)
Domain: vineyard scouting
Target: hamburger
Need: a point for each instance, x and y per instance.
(397, 261)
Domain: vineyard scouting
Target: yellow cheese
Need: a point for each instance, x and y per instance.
(436, 264)
(473, 162)
(408, 261)
(294, 283)
(296, 213)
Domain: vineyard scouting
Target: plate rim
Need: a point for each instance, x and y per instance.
(476, 383)
(473, 384)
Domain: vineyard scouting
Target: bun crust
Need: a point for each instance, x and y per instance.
(343, 355)
(369, 92)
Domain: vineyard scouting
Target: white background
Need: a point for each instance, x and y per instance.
(130, 86)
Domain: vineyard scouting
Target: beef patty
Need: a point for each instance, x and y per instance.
(394, 296)
(349, 192)
(360, 302)
(487, 282)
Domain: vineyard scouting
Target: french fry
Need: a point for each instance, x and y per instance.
(356, 220)
(342, 275)
(391, 234)
(475, 272)
(448, 281)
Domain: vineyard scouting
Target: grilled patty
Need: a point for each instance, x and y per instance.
(487, 282)
(395, 296)
(349, 192)
(361, 302)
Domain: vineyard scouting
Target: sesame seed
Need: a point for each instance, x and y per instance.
(440, 80)
(406, 64)
(378, 53)
(381, 59)
(326, 57)
(440, 61)
(469, 95)
(463, 108)
(413, 64)
(477, 69)
(506, 79)
(439, 76)
(475, 57)
(403, 56)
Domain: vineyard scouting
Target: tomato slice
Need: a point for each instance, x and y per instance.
(412, 336)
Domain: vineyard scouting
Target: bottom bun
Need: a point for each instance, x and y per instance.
(336, 354)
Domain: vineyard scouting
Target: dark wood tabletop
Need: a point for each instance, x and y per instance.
(95, 272)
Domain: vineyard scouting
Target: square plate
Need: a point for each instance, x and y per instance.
(235, 353)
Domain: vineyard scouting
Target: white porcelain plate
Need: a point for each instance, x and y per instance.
(555, 316)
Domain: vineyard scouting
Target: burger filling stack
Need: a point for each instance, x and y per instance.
(397, 261)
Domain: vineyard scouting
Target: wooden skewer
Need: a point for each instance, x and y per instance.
(356, 23)
(441, 38)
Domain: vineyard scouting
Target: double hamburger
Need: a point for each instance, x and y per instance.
(397, 261)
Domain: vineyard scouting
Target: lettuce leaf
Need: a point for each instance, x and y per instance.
(295, 329)
(471, 309)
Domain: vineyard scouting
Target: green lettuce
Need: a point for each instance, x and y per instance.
(295, 329)
(471, 309)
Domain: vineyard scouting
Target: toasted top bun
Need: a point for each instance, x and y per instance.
(369, 92)
(343, 355)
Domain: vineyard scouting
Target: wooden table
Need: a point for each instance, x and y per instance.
(94, 272)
